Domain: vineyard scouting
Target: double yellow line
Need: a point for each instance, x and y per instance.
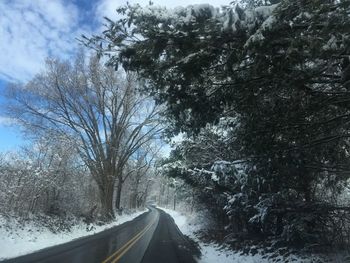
(121, 251)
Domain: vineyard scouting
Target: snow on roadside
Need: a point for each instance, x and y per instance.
(184, 223)
(212, 252)
(18, 239)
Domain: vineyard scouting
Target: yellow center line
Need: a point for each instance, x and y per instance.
(128, 245)
(124, 246)
(133, 243)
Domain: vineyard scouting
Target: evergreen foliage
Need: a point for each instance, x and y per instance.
(263, 95)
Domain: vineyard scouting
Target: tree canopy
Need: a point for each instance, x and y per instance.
(275, 79)
(96, 109)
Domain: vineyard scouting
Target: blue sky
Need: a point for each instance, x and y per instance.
(32, 30)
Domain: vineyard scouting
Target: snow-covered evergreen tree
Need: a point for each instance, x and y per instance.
(282, 72)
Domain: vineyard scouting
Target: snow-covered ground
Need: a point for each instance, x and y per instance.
(17, 239)
(212, 252)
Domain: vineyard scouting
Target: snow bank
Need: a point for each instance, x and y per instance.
(186, 224)
(211, 252)
(214, 253)
(17, 239)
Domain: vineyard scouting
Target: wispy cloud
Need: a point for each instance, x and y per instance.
(6, 121)
(33, 30)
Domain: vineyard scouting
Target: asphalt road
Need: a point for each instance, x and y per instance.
(168, 245)
(151, 237)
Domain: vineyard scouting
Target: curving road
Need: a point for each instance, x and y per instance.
(151, 237)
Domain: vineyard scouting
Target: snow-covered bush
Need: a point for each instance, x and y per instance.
(45, 178)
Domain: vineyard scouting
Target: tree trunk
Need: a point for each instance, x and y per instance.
(167, 196)
(106, 196)
(118, 195)
(133, 200)
(135, 194)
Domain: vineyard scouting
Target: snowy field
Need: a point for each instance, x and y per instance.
(17, 239)
(214, 253)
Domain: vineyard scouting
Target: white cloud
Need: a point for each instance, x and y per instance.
(33, 30)
(6, 121)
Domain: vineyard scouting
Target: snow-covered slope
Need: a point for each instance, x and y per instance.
(212, 252)
(17, 239)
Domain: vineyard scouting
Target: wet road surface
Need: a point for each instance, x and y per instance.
(168, 244)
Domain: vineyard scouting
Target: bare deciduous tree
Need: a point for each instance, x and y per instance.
(97, 109)
(44, 177)
(142, 174)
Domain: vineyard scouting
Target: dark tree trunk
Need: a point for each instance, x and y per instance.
(106, 196)
(118, 195)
